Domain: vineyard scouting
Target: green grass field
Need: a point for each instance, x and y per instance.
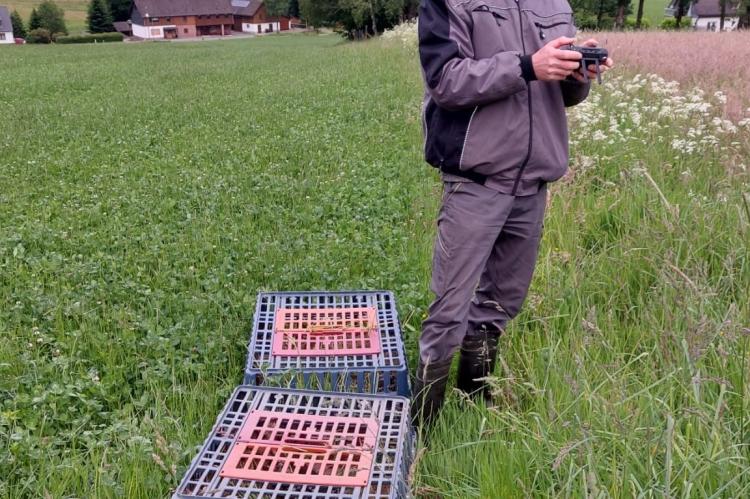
(151, 190)
(653, 10)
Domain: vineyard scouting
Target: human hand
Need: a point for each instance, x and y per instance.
(603, 67)
(553, 64)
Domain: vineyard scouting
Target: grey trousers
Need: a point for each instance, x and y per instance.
(484, 257)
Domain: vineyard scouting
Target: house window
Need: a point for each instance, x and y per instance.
(184, 30)
(2, 36)
(154, 19)
(155, 32)
(168, 19)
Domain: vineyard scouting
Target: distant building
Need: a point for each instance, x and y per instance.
(251, 16)
(161, 19)
(296, 23)
(123, 27)
(180, 18)
(706, 14)
(6, 27)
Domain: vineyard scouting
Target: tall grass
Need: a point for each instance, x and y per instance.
(712, 61)
(626, 376)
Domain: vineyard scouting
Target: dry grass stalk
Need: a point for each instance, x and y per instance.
(711, 61)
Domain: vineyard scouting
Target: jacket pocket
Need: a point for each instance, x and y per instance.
(544, 29)
(495, 29)
(499, 16)
(548, 21)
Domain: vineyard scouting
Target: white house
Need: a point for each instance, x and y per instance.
(706, 14)
(6, 27)
(251, 16)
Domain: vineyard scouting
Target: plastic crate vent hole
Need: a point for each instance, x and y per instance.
(297, 448)
(326, 331)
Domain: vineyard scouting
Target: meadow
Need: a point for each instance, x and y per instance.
(151, 190)
(75, 12)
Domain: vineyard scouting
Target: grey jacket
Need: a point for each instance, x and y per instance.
(485, 116)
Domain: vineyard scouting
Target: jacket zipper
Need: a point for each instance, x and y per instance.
(498, 17)
(466, 137)
(548, 26)
(542, 27)
(531, 122)
(424, 124)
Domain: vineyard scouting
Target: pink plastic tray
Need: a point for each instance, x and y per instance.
(325, 331)
(296, 448)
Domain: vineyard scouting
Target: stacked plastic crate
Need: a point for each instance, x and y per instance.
(331, 419)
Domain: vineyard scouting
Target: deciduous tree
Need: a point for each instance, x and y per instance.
(681, 9)
(355, 17)
(599, 14)
(277, 7)
(623, 7)
(51, 17)
(639, 16)
(293, 9)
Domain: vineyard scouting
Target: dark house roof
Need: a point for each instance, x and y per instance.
(5, 25)
(712, 8)
(167, 8)
(123, 27)
(246, 7)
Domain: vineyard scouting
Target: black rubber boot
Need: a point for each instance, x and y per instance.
(429, 391)
(477, 361)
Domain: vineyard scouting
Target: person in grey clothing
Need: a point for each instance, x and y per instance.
(497, 82)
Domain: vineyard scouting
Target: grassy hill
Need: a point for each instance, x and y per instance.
(653, 10)
(75, 11)
(150, 190)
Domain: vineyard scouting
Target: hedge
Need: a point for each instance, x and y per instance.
(92, 38)
(671, 23)
(39, 35)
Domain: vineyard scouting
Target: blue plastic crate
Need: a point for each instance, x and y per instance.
(392, 454)
(384, 372)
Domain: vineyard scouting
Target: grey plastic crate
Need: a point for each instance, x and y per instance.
(393, 455)
(384, 372)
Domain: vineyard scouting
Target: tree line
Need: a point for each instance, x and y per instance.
(47, 20)
(353, 18)
(364, 18)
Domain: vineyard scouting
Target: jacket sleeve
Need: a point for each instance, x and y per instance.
(454, 78)
(574, 92)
